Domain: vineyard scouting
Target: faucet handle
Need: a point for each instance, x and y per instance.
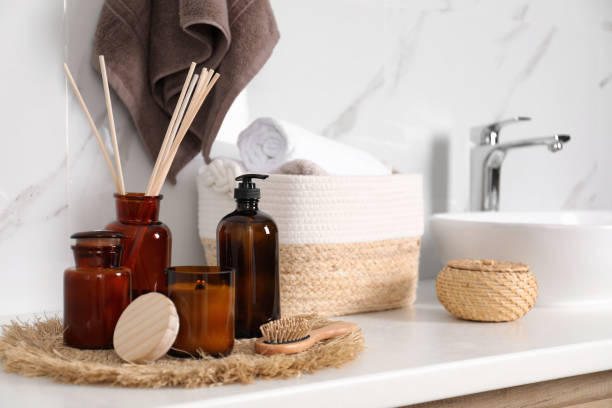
(489, 134)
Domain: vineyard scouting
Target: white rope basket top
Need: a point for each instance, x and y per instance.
(328, 209)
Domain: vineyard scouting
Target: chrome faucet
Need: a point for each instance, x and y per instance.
(487, 157)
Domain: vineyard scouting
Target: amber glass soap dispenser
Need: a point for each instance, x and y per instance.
(247, 241)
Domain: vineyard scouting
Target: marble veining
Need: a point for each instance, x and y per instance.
(407, 44)
(446, 7)
(538, 54)
(513, 33)
(17, 211)
(521, 12)
(604, 82)
(347, 118)
(581, 188)
(398, 65)
(62, 209)
(532, 62)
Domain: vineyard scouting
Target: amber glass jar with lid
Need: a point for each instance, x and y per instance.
(96, 291)
(147, 242)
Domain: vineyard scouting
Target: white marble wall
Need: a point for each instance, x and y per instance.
(408, 79)
(403, 79)
(33, 166)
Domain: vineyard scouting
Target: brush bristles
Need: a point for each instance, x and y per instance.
(287, 330)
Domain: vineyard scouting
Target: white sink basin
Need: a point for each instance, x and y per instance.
(570, 253)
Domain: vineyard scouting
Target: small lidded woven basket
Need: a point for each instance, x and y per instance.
(487, 290)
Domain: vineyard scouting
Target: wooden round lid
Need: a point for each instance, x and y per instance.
(146, 329)
(488, 265)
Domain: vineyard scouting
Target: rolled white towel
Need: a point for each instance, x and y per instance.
(220, 175)
(268, 143)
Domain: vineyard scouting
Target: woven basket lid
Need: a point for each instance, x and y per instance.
(488, 265)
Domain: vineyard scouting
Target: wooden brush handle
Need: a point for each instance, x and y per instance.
(332, 330)
(326, 332)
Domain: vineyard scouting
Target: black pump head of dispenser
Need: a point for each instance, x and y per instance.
(247, 190)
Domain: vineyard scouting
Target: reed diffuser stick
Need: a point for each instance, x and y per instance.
(169, 130)
(111, 123)
(77, 93)
(181, 114)
(203, 88)
(166, 162)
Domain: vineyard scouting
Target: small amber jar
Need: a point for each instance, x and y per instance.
(147, 242)
(96, 291)
(204, 299)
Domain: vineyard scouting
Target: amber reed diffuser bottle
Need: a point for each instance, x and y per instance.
(247, 241)
(148, 241)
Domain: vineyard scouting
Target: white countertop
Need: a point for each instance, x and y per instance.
(413, 355)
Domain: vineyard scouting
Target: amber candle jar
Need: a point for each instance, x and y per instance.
(204, 299)
(96, 291)
(147, 243)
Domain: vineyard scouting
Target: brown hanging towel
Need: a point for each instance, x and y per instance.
(148, 46)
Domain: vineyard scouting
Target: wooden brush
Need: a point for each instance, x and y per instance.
(291, 335)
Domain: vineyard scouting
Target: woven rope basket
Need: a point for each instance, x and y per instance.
(347, 244)
(487, 290)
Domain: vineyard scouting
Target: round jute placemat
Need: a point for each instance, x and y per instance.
(35, 349)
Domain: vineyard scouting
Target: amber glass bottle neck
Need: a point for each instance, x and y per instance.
(137, 209)
(250, 204)
(97, 257)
